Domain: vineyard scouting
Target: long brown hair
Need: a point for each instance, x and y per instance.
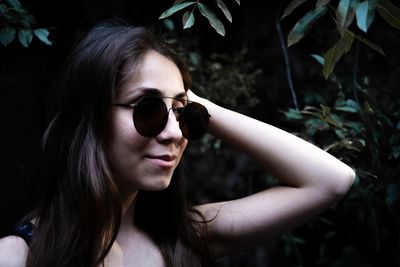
(80, 212)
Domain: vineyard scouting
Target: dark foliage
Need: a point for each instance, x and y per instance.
(355, 115)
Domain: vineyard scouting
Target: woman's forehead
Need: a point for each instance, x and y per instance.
(155, 74)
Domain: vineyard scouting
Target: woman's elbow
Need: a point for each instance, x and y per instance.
(13, 251)
(343, 182)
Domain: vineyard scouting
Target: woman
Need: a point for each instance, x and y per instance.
(112, 189)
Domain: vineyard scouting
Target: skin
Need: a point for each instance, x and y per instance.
(13, 251)
(312, 180)
(152, 169)
(142, 163)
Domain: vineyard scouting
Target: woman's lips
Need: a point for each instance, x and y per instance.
(164, 161)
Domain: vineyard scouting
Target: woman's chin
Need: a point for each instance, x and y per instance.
(159, 185)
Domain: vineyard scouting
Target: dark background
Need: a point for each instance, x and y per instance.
(28, 77)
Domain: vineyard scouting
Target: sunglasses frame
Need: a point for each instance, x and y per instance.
(178, 112)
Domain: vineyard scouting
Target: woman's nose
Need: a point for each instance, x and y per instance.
(171, 131)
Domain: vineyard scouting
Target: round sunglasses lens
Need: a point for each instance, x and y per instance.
(149, 116)
(194, 121)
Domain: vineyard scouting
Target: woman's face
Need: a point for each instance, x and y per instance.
(138, 162)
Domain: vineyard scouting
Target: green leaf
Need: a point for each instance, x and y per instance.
(345, 14)
(321, 3)
(336, 52)
(347, 143)
(43, 35)
(3, 9)
(389, 12)
(315, 124)
(27, 20)
(301, 28)
(293, 114)
(392, 193)
(238, 2)
(325, 110)
(355, 127)
(292, 6)
(396, 152)
(369, 43)
(169, 24)
(224, 9)
(348, 106)
(328, 117)
(339, 133)
(174, 9)
(318, 58)
(367, 108)
(195, 58)
(7, 34)
(212, 18)
(25, 37)
(298, 240)
(15, 4)
(188, 19)
(365, 14)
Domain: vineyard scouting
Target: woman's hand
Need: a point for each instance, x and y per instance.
(312, 180)
(194, 98)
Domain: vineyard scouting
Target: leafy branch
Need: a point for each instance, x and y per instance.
(188, 17)
(345, 13)
(15, 22)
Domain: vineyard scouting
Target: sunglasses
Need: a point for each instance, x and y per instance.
(150, 116)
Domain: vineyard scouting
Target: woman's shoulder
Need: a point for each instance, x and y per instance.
(13, 251)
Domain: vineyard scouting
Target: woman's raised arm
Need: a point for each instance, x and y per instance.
(312, 180)
(13, 251)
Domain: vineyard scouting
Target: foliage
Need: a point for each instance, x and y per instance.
(227, 79)
(363, 230)
(15, 21)
(344, 15)
(188, 17)
(366, 135)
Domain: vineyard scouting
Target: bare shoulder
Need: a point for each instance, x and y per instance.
(13, 251)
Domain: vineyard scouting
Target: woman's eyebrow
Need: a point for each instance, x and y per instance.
(137, 91)
(144, 91)
(157, 92)
(182, 95)
(148, 91)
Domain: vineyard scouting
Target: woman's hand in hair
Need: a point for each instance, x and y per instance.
(311, 181)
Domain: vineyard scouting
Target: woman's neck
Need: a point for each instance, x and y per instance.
(127, 195)
(128, 203)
